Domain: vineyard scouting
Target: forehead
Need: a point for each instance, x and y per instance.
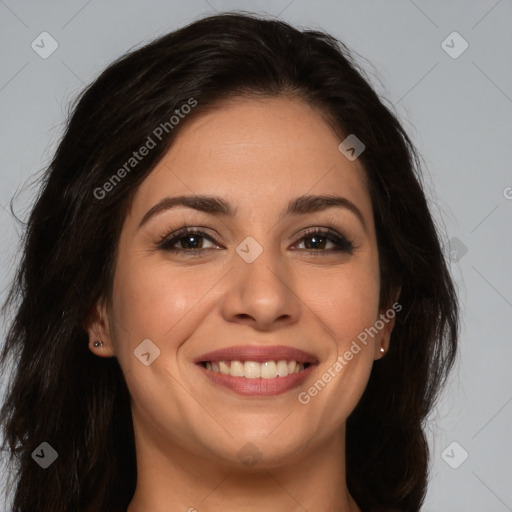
(255, 152)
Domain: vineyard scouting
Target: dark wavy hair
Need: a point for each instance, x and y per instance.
(60, 393)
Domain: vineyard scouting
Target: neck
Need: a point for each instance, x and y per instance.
(169, 475)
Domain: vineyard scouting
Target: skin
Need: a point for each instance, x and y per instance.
(257, 154)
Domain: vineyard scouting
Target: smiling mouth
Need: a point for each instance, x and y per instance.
(271, 369)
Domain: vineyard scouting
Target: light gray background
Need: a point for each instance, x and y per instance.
(458, 112)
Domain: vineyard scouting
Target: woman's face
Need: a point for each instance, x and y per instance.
(263, 283)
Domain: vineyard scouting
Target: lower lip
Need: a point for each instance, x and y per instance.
(259, 386)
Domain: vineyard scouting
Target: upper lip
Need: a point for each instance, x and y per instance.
(258, 353)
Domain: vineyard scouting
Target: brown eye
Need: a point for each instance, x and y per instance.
(186, 240)
(317, 240)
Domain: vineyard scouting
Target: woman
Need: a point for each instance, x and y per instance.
(232, 294)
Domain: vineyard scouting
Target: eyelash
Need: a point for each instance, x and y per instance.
(167, 241)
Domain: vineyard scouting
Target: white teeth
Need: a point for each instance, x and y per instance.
(224, 368)
(252, 370)
(236, 369)
(282, 368)
(255, 370)
(269, 370)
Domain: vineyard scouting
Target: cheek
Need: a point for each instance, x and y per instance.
(155, 302)
(346, 309)
(346, 302)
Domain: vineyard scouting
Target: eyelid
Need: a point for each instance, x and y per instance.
(339, 239)
(174, 236)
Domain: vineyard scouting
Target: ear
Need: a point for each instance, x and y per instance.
(98, 328)
(381, 346)
(387, 318)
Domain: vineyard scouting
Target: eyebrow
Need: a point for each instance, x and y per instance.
(219, 207)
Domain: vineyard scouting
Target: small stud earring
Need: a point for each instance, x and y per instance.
(382, 350)
(98, 343)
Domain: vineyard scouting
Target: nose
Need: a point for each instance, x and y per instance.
(261, 294)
